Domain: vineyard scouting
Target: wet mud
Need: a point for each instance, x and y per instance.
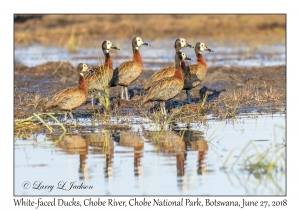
(33, 86)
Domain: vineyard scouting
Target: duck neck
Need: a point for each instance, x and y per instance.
(200, 59)
(137, 56)
(184, 68)
(108, 61)
(178, 73)
(82, 85)
(177, 48)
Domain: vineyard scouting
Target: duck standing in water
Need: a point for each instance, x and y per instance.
(169, 87)
(98, 81)
(72, 97)
(195, 73)
(129, 71)
(170, 70)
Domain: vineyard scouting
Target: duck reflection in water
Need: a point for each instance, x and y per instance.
(195, 141)
(132, 139)
(170, 143)
(178, 143)
(74, 144)
(101, 143)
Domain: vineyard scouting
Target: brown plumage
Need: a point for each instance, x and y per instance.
(72, 97)
(167, 71)
(169, 87)
(128, 71)
(98, 81)
(196, 73)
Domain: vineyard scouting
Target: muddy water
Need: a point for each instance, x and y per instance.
(214, 158)
(156, 56)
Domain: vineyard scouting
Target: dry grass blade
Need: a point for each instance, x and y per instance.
(42, 121)
(24, 128)
(56, 120)
(261, 162)
(28, 125)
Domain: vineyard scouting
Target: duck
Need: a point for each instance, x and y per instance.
(98, 81)
(169, 87)
(170, 70)
(70, 98)
(128, 71)
(195, 73)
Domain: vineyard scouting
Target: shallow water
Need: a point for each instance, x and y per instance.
(205, 159)
(160, 54)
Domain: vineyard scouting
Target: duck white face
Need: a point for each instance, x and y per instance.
(200, 47)
(137, 41)
(181, 56)
(181, 43)
(84, 67)
(107, 45)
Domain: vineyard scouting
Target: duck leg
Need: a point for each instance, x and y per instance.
(126, 92)
(165, 111)
(66, 114)
(71, 115)
(163, 108)
(122, 93)
(92, 99)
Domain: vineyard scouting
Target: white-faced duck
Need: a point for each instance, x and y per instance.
(170, 70)
(70, 98)
(129, 71)
(169, 87)
(196, 72)
(99, 79)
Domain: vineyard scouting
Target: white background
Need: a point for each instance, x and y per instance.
(8, 8)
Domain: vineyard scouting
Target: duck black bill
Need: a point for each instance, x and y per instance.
(188, 45)
(146, 44)
(189, 59)
(114, 47)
